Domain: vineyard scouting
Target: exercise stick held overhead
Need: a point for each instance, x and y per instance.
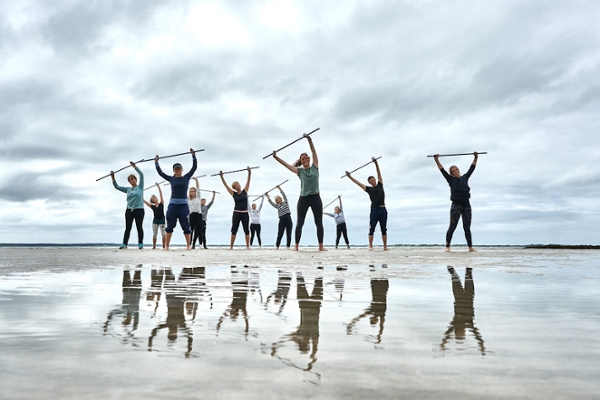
(457, 154)
(289, 144)
(333, 201)
(362, 166)
(119, 170)
(232, 172)
(270, 190)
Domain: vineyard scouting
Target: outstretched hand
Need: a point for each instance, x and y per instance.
(156, 158)
(192, 152)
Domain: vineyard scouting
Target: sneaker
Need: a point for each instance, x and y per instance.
(141, 246)
(123, 246)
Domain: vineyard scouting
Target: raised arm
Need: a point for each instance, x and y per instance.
(340, 199)
(141, 181)
(160, 193)
(230, 190)
(147, 203)
(247, 187)
(194, 164)
(436, 158)
(361, 185)
(379, 179)
(285, 164)
(160, 171)
(315, 159)
(475, 156)
(197, 184)
(114, 182)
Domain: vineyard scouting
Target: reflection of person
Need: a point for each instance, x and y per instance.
(255, 221)
(309, 191)
(285, 218)
(204, 208)
(464, 311)
(178, 206)
(195, 213)
(130, 307)
(307, 334)
(459, 194)
(175, 320)
(280, 295)
(240, 211)
(158, 222)
(375, 311)
(135, 205)
(239, 283)
(192, 282)
(340, 224)
(379, 213)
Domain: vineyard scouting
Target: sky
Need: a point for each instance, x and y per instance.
(87, 86)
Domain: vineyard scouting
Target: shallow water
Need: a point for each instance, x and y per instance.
(357, 331)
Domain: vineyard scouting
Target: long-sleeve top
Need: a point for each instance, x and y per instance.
(135, 195)
(283, 208)
(179, 185)
(460, 191)
(255, 214)
(194, 205)
(339, 217)
(204, 210)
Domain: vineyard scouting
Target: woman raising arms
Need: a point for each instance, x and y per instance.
(309, 191)
(240, 211)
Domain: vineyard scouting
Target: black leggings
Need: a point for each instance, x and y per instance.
(238, 217)
(136, 214)
(457, 211)
(255, 230)
(196, 227)
(314, 202)
(285, 224)
(340, 229)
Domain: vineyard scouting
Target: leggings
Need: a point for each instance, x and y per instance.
(238, 217)
(178, 212)
(255, 230)
(285, 224)
(314, 202)
(196, 227)
(136, 214)
(378, 215)
(457, 211)
(203, 235)
(340, 229)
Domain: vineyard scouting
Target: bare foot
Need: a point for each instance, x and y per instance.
(370, 248)
(295, 248)
(322, 248)
(447, 249)
(472, 250)
(386, 248)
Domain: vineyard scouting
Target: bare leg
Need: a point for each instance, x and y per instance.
(188, 240)
(231, 242)
(168, 240)
(384, 239)
(321, 247)
(248, 242)
(296, 246)
(472, 249)
(370, 242)
(153, 242)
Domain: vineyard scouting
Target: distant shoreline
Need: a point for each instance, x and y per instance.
(563, 246)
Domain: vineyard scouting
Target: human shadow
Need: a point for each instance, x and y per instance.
(129, 309)
(238, 306)
(175, 322)
(464, 313)
(378, 307)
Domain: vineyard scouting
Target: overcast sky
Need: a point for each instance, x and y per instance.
(87, 86)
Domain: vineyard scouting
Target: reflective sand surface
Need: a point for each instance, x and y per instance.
(352, 332)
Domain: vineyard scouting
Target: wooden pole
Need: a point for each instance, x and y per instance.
(362, 166)
(289, 144)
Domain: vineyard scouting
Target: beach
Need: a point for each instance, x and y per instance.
(87, 322)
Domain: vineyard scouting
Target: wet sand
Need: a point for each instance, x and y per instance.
(25, 259)
(501, 323)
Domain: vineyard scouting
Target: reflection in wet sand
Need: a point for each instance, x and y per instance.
(175, 323)
(238, 306)
(280, 295)
(306, 336)
(464, 312)
(377, 308)
(130, 306)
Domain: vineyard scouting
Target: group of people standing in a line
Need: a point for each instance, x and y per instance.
(191, 212)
